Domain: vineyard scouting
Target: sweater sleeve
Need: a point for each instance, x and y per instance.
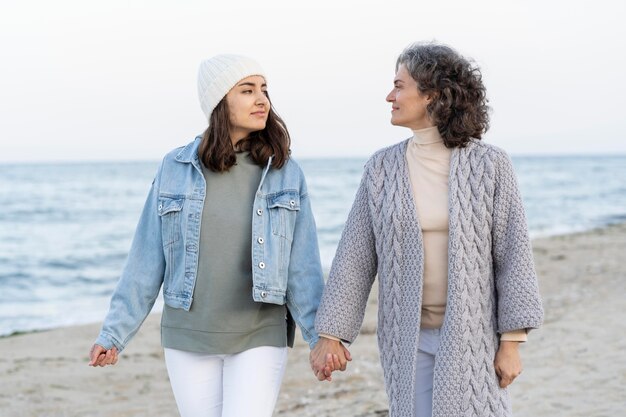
(352, 273)
(519, 302)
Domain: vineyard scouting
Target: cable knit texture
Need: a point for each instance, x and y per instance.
(492, 285)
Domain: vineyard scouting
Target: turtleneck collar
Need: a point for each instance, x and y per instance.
(427, 136)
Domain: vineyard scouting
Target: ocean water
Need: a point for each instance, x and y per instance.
(65, 229)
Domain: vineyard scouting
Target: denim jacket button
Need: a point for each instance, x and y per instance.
(263, 294)
(260, 240)
(259, 212)
(292, 203)
(262, 265)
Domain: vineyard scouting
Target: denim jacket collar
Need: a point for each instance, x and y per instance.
(189, 153)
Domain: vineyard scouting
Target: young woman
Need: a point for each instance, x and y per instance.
(439, 218)
(227, 231)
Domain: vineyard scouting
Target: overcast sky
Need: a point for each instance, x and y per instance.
(116, 80)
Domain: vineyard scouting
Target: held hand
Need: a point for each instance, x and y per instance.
(328, 356)
(99, 356)
(508, 363)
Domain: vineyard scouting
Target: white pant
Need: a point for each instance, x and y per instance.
(428, 345)
(241, 384)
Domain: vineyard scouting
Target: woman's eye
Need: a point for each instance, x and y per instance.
(247, 91)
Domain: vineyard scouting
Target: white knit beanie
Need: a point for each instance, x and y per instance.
(218, 75)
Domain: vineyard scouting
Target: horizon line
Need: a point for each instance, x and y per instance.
(304, 158)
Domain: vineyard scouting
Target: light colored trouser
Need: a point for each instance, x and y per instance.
(428, 345)
(241, 384)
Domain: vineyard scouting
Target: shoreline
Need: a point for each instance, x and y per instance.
(573, 366)
(537, 237)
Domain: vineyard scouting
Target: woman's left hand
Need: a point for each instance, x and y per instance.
(508, 363)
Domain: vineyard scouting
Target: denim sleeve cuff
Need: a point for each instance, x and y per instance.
(107, 342)
(313, 342)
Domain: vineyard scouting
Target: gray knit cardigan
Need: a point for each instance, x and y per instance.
(492, 285)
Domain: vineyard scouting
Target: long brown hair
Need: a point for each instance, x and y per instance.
(218, 154)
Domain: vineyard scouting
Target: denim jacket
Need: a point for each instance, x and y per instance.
(286, 266)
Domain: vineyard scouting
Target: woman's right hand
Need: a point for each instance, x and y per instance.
(99, 356)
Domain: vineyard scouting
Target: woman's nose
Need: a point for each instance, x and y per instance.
(262, 100)
(390, 97)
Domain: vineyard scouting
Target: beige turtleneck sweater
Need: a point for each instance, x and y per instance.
(429, 168)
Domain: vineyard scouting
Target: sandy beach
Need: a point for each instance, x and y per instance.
(574, 366)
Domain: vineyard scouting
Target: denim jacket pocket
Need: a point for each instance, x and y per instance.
(283, 208)
(169, 209)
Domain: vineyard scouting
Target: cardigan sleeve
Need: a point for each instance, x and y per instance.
(519, 301)
(352, 273)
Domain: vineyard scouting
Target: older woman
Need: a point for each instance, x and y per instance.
(439, 218)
